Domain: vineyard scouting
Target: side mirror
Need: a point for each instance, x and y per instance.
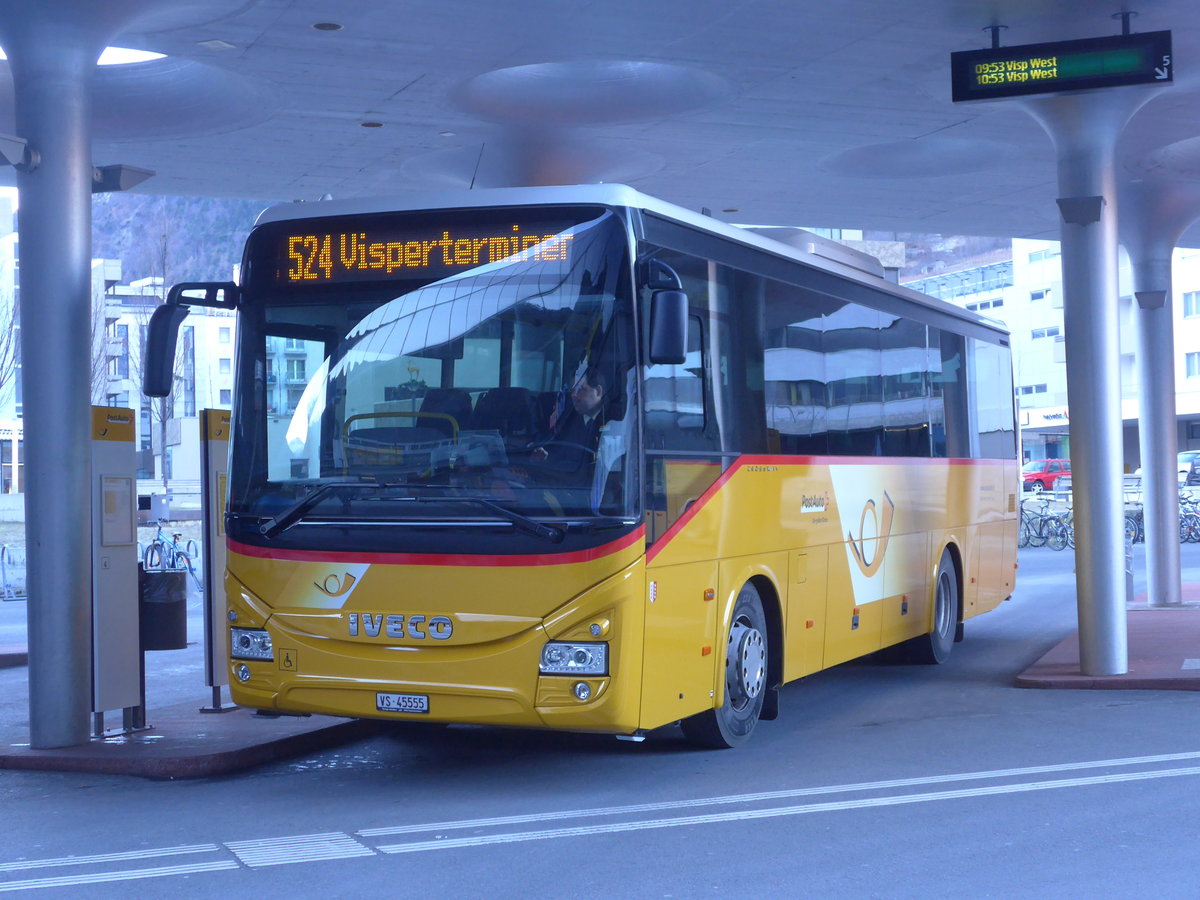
(219, 294)
(162, 335)
(668, 327)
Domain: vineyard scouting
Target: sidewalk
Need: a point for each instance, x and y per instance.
(181, 741)
(1164, 652)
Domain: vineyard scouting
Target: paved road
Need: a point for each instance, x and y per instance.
(877, 781)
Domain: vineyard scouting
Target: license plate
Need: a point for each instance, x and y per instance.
(402, 703)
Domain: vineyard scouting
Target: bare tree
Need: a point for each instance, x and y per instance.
(103, 349)
(163, 410)
(10, 344)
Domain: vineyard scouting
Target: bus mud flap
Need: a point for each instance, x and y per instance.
(770, 707)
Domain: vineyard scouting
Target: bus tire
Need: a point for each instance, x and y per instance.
(933, 648)
(746, 675)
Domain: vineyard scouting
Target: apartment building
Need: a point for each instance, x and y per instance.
(1023, 289)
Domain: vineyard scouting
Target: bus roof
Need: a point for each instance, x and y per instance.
(819, 252)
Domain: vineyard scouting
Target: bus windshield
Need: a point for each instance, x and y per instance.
(501, 391)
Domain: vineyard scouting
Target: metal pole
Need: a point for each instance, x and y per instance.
(1154, 215)
(1085, 128)
(52, 48)
(52, 114)
(1158, 441)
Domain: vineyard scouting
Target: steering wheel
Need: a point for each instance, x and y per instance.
(588, 452)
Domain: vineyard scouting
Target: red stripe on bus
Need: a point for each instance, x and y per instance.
(765, 460)
(443, 559)
(865, 461)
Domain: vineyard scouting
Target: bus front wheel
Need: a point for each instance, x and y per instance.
(746, 674)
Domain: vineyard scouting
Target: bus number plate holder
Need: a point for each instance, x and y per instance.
(402, 703)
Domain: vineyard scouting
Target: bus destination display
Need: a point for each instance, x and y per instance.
(364, 253)
(1061, 66)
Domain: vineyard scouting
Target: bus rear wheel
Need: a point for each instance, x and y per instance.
(934, 648)
(746, 674)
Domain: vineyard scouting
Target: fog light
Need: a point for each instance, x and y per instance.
(583, 690)
(242, 672)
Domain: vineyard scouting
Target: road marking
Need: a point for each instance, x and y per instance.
(339, 845)
(298, 848)
(106, 857)
(750, 814)
(776, 795)
(126, 875)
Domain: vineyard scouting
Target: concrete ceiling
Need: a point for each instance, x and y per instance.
(764, 111)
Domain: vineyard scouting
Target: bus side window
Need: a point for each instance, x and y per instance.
(675, 399)
(905, 388)
(853, 369)
(991, 376)
(949, 397)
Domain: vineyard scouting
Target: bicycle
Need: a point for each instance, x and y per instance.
(165, 552)
(1037, 526)
(1189, 519)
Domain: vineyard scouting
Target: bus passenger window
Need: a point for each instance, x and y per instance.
(995, 419)
(949, 398)
(905, 388)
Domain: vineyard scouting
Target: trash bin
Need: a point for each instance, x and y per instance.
(162, 609)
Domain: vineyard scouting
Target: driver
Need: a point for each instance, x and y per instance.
(574, 437)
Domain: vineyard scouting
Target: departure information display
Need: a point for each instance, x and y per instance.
(1062, 66)
(377, 248)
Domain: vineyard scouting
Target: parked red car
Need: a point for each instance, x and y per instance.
(1039, 475)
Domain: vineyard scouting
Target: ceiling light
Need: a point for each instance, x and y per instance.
(371, 124)
(446, 134)
(327, 26)
(216, 44)
(119, 56)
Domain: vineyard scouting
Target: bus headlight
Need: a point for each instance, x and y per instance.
(250, 643)
(561, 658)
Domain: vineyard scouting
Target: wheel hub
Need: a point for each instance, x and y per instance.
(746, 665)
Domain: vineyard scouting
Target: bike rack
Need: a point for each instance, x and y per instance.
(7, 591)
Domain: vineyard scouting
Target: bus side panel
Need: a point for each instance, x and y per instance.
(855, 614)
(1008, 574)
(906, 608)
(804, 645)
(997, 542)
(991, 564)
(680, 642)
(970, 575)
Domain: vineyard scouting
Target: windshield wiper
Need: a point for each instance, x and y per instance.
(294, 513)
(520, 522)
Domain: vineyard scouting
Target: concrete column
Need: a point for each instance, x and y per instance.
(1085, 127)
(52, 47)
(56, 249)
(1154, 213)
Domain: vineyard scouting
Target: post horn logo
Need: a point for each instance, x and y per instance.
(883, 531)
(336, 587)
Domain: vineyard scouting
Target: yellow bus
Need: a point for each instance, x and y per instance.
(576, 458)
